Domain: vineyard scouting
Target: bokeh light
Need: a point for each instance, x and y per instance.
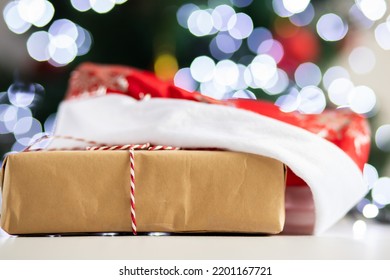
(183, 79)
(37, 12)
(359, 229)
(38, 45)
(303, 18)
(13, 19)
(4, 117)
(216, 51)
(83, 41)
(31, 10)
(202, 69)
(382, 137)
(271, 82)
(273, 48)
(47, 15)
(331, 27)
(370, 211)
(280, 9)
(184, 12)
(381, 191)
(99, 6)
(339, 91)
(262, 68)
(370, 175)
(307, 74)
(358, 18)
(226, 43)
(22, 126)
(280, 85)
(62, 49)
(21, 95)
(295, 6)
(221, 16)
(241, 82)
(213, 89)
(382, 35)
(226, 73)
(333, 73)
(165, 66)
(258, 36)
(240, 26)
(81, 5)
(9, 116)
(362, 60)
(372, 9)
(25, 129)
(20, 15)
(312, 100)
(63, 27)
(200, 23)
(362, 99)
(289, 102)
(61, 44)
(102, 6)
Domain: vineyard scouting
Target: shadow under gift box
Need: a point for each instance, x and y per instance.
(176, 191)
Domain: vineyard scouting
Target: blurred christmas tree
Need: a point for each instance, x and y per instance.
(279, 50)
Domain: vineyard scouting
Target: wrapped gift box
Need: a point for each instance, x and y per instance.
(176, 191)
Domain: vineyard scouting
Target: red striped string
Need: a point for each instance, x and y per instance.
(132, 193)
(131, 149)
(119, 147)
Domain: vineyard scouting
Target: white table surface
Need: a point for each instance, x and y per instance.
(340, 242)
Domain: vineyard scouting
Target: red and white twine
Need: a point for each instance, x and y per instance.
(131, 149)
(119, 147)
(132, 193)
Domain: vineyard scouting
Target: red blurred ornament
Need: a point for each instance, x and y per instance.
(300, 45)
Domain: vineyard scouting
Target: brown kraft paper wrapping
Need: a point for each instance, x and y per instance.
(176, 191)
